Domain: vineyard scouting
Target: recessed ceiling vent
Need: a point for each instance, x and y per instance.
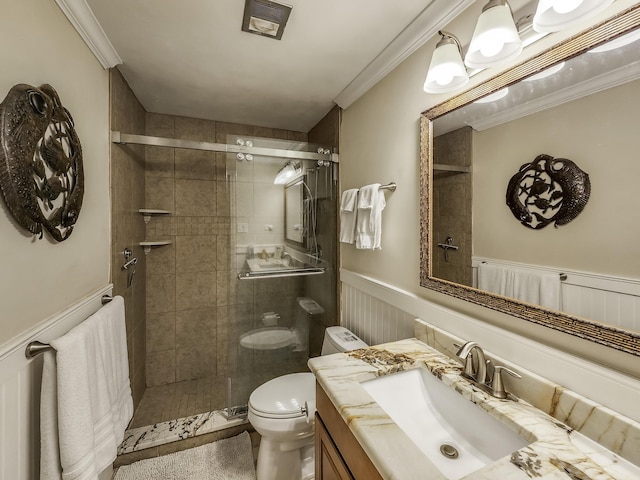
(265, 18)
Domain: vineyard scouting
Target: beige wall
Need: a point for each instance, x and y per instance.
(39, 277)
(380, 142)
(602, 239)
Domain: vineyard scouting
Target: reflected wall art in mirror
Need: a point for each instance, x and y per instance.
(586, 110)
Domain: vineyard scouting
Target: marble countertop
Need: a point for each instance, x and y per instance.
(556, 451)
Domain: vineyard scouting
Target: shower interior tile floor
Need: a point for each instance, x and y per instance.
(182, 399)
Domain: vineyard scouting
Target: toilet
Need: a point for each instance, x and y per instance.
(282, 412)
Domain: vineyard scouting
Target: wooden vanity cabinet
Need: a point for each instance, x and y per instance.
(339, 456)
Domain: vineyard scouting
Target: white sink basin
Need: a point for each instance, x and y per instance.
(259, 264)
(435, 416)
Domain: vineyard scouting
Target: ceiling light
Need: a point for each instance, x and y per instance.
(619, 42)
(446, 70)
(554, 15)
(287, 173)
(492, 97)
(495, 38)
(266, 18)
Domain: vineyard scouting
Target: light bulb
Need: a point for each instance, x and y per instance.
(566, 6)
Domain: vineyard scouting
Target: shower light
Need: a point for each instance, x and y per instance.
(554, 15)
(495, 38)
(287, 173)
(446, 70)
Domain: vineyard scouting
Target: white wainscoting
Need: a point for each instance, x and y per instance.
(368, 305)
(604, 298)
(20, 390)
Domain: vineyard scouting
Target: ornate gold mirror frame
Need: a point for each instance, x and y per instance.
(623, 340)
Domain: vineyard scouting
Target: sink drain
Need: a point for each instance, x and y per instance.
(449, 451)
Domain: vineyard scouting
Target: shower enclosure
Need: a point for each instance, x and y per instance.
(283, 252)
(240, 274)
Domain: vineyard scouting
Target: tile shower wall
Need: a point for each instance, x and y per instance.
(324, 289)
(192, 292)
(127, 227)
(452, 194)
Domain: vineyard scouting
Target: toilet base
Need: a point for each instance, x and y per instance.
(275, 463)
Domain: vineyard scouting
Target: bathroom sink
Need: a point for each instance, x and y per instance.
(458, 436)
(261, 265)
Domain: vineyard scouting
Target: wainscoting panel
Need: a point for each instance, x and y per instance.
(373, 320)
(20, 390)
(604, 298)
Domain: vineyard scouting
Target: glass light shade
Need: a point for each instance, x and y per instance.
(554, 15)
(446, 70)
(495, 38)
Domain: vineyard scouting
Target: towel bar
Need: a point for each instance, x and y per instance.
(389, 186)
(36, 348)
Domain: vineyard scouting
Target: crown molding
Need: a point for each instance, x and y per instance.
(434, 16)
(86, 24)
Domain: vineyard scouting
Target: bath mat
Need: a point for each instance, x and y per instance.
(228, 459)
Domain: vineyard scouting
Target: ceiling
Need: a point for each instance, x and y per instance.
(191, 58)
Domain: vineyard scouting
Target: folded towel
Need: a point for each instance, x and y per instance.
(528, 286)
(371, 202)
(348, 214)
(86, 395)
(367, 197)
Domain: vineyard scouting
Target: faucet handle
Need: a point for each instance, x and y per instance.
(497, 385)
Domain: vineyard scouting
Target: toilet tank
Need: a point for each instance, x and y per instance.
(339, 339)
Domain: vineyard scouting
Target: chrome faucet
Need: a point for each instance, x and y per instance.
(476, 370)
(467, 353)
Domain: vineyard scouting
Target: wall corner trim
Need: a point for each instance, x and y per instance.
(84, 21)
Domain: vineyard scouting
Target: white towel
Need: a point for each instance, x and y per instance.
(86, 397)
(348, 213)
(528, 286)
(371, 202)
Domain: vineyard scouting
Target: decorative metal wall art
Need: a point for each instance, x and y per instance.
(548, 190)
(41, 175)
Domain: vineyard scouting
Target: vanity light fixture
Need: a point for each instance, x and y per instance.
(446, 70)
(287, 173)
(554, 15)
(495, 38)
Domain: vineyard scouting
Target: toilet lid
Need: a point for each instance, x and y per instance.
(285, 396)
(270, 338)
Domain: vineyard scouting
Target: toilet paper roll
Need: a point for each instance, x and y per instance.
(310, 410)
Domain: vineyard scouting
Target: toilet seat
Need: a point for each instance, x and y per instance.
(283, 397)
(269, 338)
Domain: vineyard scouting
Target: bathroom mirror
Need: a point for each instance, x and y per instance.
(605, 234)
(293, 212)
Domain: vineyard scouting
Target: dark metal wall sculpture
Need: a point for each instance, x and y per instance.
(548, 190)
(41, 175)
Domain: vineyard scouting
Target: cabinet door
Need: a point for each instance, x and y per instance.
(329, 463)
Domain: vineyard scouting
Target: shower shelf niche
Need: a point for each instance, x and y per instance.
(147, 213)
(148, 245)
